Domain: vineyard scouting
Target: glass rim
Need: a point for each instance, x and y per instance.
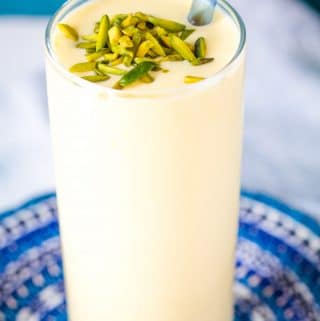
(132, 93)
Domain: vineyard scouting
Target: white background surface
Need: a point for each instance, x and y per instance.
(282, 129)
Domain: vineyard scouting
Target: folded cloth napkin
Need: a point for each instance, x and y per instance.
(277, 263)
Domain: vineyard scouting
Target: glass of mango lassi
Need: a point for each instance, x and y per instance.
(146, 122)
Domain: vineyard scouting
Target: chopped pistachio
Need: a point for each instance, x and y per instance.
(135, 39)
(127, 60)
(200, 47)
(126, 42)
(136, 73)
(182, 49)
(157, 48)
(98, 72)
(130, 31)
(86, 45)
(105, 69)
(142, 26)
(96, 55)
(160, 31)
(152, 54)
(117, 19)
(102, 39)
(192, 79)
(168, 25)
(121, 51)
(130, 20)
(68, 31)
(117, 85)
(96, 27)
(90, 50)
(173, 57)
(168, 51)
(92, 37)
(114, 35)
(186, 33)
(83, 67)
(190, 45)
(141, 16)
(116, 62)
(139, 60)
(147, 79)
(96, 78)
(110, 56)
(202, 61)
(144, 47)
(166, 41)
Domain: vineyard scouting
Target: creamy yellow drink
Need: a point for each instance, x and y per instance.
(148, 176)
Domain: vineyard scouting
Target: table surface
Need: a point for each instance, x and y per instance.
(282, 118)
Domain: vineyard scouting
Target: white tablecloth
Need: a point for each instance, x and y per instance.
(282, 121)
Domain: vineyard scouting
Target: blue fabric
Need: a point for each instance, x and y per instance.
(277, 263)
(30, 7)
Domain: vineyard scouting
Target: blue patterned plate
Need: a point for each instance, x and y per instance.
(277, 266)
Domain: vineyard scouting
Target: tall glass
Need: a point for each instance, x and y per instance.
(148, 189)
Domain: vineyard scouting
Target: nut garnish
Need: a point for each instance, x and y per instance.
(140, 43)
(68, 31)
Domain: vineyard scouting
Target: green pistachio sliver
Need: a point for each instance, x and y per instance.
(83, 67)
(92, 37)
(160, 31)
(117, 85)
(116, 62)
(97, 27)
(96, 78)
(127, 60)
(168, 25)
(182, 49)
(125, 42)
(141, 16)
(96, 55)
(200, 47)
(98, 72)
(139, 60)
(190, 45)
(105, 69)
(117, 19)
(169, 51)
(192, 79)
(147, 79)
(144, 47)
(90, 50)
(152, 54)
(130, 20)
(142, 26)
(173, 57)
(136, 39)
(86, 45)
(121, 51)
(166, 41)
(136, 73)
(130, 31)
(68, 31)
(102, 39)
(157, 48)
(202, 61)
(186, 33)
(110, 56)
(114, 35)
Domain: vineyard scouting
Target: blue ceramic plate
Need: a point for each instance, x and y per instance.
(277, 266)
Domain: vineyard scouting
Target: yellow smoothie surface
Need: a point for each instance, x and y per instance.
(222, 39)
